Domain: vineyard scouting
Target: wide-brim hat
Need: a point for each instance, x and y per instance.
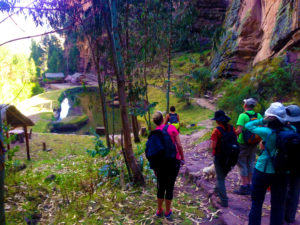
(277, 110)
(221, 116)
(292, 113)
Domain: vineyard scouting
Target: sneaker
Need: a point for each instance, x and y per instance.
(168, 215)
(243, 190)
(159, 213)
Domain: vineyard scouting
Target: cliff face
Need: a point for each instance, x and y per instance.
(255, 30)
(210, 13)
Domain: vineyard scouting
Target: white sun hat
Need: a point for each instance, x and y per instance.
(293, 113)
(277, 110)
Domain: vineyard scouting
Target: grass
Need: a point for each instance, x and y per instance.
(191, 114)
(78, 194)
(42, 124)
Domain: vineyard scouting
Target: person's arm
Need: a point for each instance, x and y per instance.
(255, 127)
(239, 130)
(166, 119)
(178, 118)
(213, 145)
(179, 146)
(214, 140)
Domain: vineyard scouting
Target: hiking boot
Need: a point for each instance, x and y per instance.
(159, 213)
(243, 190)
(169, 215)
(249, 188)
(223, 204)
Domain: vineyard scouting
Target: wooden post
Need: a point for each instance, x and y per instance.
(7, 137)
(2, 175)
(27, 142)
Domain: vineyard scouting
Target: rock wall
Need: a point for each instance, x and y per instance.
(210, 13)
(255, 30)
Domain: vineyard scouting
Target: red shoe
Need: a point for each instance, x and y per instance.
(168, 215)
(159, 213)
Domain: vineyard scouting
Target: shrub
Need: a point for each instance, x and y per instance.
(267, 82)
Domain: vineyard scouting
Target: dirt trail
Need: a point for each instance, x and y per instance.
(198, 156)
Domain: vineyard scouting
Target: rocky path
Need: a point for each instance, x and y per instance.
(198, 156)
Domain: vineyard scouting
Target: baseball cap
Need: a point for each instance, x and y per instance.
(250, 101)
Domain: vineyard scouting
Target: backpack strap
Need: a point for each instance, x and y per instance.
(251, 116)
(165, 128)
(268, 151)
(222, 131)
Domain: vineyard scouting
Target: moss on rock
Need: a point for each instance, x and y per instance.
(284, 21)
(70, 123)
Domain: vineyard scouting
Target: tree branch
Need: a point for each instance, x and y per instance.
(38, 35)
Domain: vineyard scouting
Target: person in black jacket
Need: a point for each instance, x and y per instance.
(293, 117)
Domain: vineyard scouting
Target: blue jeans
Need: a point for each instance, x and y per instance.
(221, 174)
(292, 198)
(260, 183)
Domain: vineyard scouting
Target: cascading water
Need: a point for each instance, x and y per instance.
(65, 106)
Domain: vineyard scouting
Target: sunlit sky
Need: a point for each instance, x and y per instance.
(25, 27)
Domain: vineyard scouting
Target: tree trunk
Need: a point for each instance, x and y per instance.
(145, 72)
(103, 103)
(119, 70)
(96, 61)
(2, 176)
(169, 60)
(134, 121)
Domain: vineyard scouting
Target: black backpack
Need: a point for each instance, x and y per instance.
(249, 137)
(287, 157)
(160, 148)
(229, 148)
(173, 118)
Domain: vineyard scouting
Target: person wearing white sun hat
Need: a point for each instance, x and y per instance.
(264, 174)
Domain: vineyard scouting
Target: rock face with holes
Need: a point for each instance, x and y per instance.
(256, 30)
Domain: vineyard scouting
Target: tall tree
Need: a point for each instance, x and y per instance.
(37, 54)
(111, 20)
(169, 56)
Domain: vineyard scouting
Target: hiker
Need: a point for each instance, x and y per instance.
(173, 118)
(248, 150)
(218, 150)
(166, 169)
(293, 118)
(264, 174)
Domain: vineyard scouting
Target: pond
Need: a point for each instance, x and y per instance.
(90, 104)
(81, 110)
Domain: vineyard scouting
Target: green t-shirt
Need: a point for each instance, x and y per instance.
(242, 120)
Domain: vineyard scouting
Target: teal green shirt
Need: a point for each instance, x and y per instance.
(242, 120)
(264, 161)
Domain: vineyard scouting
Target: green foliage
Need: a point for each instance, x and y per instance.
(36, 89)
(17, 77)
(37, 54)
(6, 5)
(183, 91)
(268, 81)
(202, 76)
(11, 163)
(100, 148)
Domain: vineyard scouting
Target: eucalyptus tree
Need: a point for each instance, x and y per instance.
(110, 15)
